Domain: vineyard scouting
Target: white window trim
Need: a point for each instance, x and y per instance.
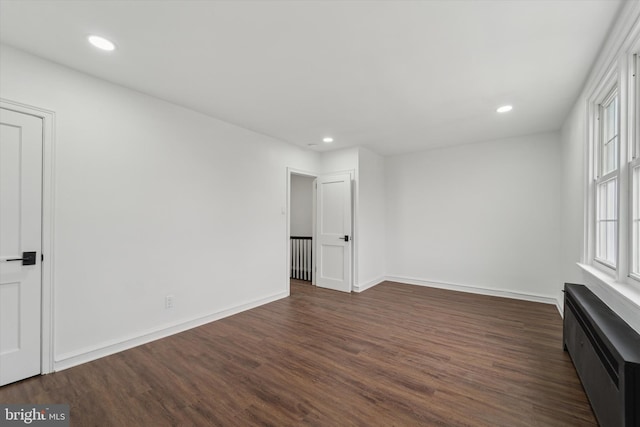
(635, 162)
(600, 95)
(633, 151)
(629, 158)
(631, 292)
(620, 78)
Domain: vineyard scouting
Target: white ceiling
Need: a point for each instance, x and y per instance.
(393, 76)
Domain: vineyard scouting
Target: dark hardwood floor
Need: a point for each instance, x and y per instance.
(395, 355)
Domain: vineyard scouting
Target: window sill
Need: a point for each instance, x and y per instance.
(630, 293)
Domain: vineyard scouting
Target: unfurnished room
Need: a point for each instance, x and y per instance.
(327, 213)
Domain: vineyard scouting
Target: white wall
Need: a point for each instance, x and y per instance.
(339, 160)
(573, 142)
(301, 205)
(371, 219)
(484, 216)
(152, 199)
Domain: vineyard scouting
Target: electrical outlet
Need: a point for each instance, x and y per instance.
(168, 301)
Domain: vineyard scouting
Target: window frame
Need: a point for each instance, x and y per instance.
(609, 91)
(613, 93)
(633, 162)
(621, 77)
(599, 222)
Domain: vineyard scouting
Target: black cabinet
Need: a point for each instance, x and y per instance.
(606, 353)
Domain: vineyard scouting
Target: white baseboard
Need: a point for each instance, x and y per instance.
(475, 290)
(370, 284)
(75, 358)
(560, 307)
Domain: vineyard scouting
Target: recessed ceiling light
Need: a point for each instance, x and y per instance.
(504, 108)
(101, 43)
(327, 140)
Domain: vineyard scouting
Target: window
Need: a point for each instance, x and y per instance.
(611, 252)
(613, 203)
(606, 185)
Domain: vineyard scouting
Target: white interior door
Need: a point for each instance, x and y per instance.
(20, 234)
(333, 224)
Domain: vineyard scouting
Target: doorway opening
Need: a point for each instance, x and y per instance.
(330, 250)
(301, 229)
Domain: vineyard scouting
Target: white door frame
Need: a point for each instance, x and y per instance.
(290, 172)
(354, 207)
(48, 138)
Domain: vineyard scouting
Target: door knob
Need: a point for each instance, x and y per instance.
(28, 258)
(345, 238)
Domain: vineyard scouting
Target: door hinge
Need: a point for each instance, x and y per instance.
(41, 257)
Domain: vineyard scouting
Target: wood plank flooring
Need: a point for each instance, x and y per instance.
(395, 355)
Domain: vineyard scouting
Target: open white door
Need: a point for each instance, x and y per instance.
(20, 245)
(333, 224)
